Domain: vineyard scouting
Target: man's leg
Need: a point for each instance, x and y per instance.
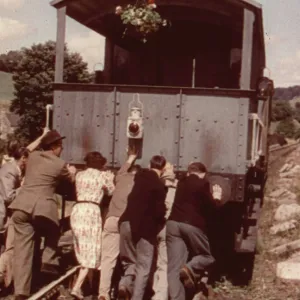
(177, 257)
(6, 259)
(127, 257)
(160, 283)
(144, 260)
(109, 255)
(200, 250)
(23, 252)
(50, 230)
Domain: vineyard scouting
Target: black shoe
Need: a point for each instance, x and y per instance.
(51, 269)
(187, 278)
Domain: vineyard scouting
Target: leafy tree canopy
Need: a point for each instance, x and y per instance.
(9, 61)
(286, 128)
(33, 78)
(281, 110)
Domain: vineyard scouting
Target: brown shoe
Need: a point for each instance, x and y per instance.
(102, 298)
(123, 293)
(187, 278)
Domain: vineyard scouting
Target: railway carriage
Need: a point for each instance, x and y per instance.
(200, 87)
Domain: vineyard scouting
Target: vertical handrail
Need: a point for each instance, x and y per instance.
(179, 129)
(114, 127)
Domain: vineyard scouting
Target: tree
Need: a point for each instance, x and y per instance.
(281, 110)
(33, 78)
(9, 61)
(286, 128)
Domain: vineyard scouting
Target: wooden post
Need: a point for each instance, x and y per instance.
(60, 44)
(246, 69)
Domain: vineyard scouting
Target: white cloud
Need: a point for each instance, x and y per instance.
(12, 29)
(11, 4)
(287, 70)
(90, 46)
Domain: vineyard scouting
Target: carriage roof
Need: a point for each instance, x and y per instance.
(97, 14)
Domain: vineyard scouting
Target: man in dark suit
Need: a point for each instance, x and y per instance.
(139, 225)
(35, 210)
(187, 230)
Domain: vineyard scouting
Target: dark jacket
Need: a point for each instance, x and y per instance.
(193, 203)
(146, 206)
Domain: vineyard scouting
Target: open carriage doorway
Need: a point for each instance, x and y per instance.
(190, 53)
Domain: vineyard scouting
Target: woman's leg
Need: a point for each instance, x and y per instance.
(80, 279)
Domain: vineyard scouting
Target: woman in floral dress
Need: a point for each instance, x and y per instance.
(86, 222)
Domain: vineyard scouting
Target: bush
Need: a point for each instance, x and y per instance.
(286, 128)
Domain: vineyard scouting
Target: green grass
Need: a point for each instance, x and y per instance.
(6, 88)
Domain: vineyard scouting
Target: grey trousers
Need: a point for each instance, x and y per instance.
(160, 280)
(136, 261)
(25, 234)
(6, 258)
(184, 241)
(109, 255)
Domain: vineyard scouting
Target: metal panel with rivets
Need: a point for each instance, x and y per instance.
(161, 126)
(214, 131)
(86, 118)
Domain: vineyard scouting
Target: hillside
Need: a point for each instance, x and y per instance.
(6, 88)
(288, 93)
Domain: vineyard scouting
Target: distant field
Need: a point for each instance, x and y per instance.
(6, 88)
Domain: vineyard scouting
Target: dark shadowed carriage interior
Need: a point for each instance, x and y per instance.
(191, 52)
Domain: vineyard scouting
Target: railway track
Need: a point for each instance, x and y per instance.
(57, 288)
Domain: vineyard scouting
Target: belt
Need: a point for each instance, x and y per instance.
(91, 202)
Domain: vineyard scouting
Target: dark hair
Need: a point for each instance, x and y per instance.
(95, 160)
(158, 162)
(12, 147)
(22, 151)
(135, 168)
(197, 167)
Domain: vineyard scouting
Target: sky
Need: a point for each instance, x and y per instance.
(24, 22)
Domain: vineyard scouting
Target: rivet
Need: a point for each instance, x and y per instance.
(197, 130)
(176, 142)
(181, 137)
(232, 122)
(215, 121)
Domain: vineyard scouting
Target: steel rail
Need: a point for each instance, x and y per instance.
(50, 290)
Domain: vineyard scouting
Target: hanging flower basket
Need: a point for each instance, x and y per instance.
(141, 19)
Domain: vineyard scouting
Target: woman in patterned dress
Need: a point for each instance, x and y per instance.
(86, 222)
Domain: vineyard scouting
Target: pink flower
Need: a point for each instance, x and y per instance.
(119, 10)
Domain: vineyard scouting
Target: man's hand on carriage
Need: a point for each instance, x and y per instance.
(72, 169)
(217, 192)
(132, 153)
